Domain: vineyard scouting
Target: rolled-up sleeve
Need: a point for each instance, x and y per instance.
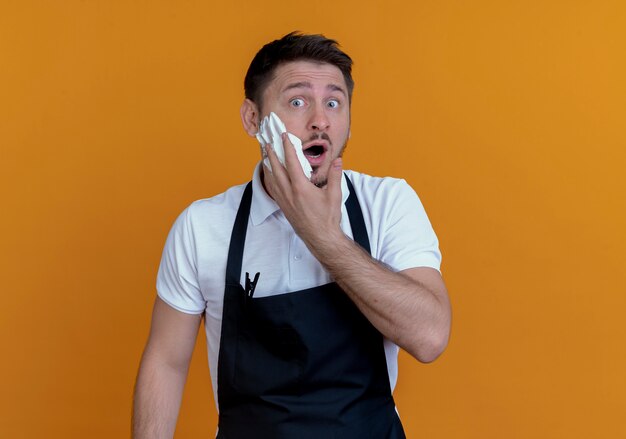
(409, 239)
(177, 279)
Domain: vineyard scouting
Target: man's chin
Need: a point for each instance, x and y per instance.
(318, 178)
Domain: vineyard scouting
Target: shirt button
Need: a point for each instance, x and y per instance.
(297, 257)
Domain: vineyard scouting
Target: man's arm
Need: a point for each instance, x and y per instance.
(163, 372)
(411, 308)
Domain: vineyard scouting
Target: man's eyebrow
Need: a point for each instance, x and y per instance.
(338, 88)
(306, 84)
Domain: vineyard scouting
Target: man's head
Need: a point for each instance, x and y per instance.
(306, 80)
(294, 47)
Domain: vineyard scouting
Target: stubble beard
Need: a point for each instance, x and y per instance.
(324, 180)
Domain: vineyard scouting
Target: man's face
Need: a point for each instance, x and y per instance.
(312, 100)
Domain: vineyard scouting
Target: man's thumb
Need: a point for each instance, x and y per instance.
(334, 176)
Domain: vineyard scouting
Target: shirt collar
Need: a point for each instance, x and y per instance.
(263, 206)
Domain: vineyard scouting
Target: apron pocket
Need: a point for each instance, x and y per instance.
(268, 360)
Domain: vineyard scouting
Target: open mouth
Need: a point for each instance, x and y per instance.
(315, 153)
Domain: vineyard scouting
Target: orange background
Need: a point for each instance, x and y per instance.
(506, 117)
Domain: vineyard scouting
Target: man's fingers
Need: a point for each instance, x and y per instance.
(278, 170)
(291, 159)
(334, 180)
(268, 180)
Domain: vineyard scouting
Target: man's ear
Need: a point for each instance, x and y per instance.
(250, 117)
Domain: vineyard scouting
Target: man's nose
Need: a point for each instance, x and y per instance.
(319, 120)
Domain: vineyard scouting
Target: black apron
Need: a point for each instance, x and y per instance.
(300, 365)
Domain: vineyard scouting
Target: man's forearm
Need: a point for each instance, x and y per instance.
(410, 308)
(158, 394)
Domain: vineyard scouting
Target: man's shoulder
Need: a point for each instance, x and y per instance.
(213, 213)
(369, 185)
(230, 198)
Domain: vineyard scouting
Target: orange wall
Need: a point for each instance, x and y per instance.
(506, 117)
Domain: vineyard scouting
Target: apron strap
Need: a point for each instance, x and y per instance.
(355, 214)
(238, 236)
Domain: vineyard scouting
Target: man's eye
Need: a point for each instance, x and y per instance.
(297, 102)
(333, 103)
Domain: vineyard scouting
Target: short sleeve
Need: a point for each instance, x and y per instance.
(177, 279)
(409, 239)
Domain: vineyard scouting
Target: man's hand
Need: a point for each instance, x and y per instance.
(314, 213)
(411, 307)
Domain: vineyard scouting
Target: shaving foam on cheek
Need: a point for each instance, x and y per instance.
(270, 132)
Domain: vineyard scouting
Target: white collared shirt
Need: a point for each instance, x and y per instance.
(193, 265)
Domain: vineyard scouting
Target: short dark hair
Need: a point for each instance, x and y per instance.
(294, 46)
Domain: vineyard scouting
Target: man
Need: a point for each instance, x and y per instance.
(308, 288)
